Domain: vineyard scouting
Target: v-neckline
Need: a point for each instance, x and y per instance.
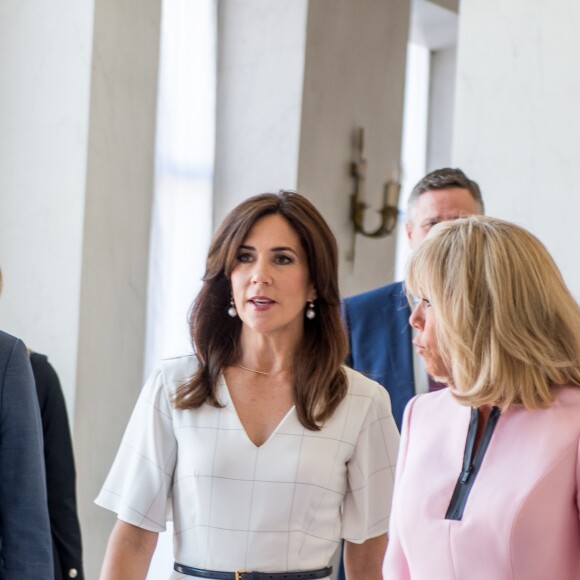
(472, 459)
(230, 402)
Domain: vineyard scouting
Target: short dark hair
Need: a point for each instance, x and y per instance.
(446, 178)
(320, 382)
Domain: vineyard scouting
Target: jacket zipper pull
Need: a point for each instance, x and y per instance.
(465, 474)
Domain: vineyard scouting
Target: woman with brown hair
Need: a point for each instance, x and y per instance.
(267, 449)
(488, 478)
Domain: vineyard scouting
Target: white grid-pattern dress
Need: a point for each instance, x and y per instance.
(279, 507)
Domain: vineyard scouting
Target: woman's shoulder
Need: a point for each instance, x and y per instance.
(565, 409)
(177, 370)
(367, 409)
(435, 408)
(359, 384)
(363, 388)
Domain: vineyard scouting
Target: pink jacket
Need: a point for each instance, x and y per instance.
(522, 517)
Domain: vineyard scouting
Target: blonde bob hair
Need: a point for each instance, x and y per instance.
(507, 327)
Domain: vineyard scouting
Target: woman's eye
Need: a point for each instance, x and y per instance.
(283, 259)
(426, 303)
(244, 257)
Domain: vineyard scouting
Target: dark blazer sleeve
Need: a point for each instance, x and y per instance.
(380, 337)
(25, 542)
(60, 471)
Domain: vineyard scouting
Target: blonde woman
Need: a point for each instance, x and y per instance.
(488, 477)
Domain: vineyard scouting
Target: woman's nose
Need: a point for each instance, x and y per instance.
(416, 320)
(261, 273)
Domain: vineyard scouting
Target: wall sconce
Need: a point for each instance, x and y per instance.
(392, 188)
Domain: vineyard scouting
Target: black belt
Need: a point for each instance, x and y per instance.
(243, 575)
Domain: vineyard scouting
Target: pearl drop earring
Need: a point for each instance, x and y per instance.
(232, 309)
(310, 312)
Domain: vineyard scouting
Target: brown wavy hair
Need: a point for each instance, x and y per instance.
(507, 326)
(320, 382)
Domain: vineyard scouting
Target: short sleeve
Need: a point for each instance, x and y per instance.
(367, 503)
(139, 483)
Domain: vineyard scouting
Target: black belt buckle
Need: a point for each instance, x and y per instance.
(245, 575)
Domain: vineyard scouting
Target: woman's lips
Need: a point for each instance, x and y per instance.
(419, 348)
(261, 302)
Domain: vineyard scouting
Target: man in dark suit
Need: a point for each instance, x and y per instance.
(25, 541)
(378, 321)
(60, 471)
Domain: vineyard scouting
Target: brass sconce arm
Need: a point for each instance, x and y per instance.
(389, 212)
(390, 209)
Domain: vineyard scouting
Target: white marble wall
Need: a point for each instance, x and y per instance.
(259, 96)
(295, 79)
(517, 116)
(119, 187)
(45, 54)
(354, 77)
(77, 120)
(441, 108)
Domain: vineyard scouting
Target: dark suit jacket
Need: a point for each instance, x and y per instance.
(380, 341)
(25, 542)
(60, 471)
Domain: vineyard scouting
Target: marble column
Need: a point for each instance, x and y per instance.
(517, 118)
(45, 70)
(354, 77)
(119, 187)
(77, 118)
